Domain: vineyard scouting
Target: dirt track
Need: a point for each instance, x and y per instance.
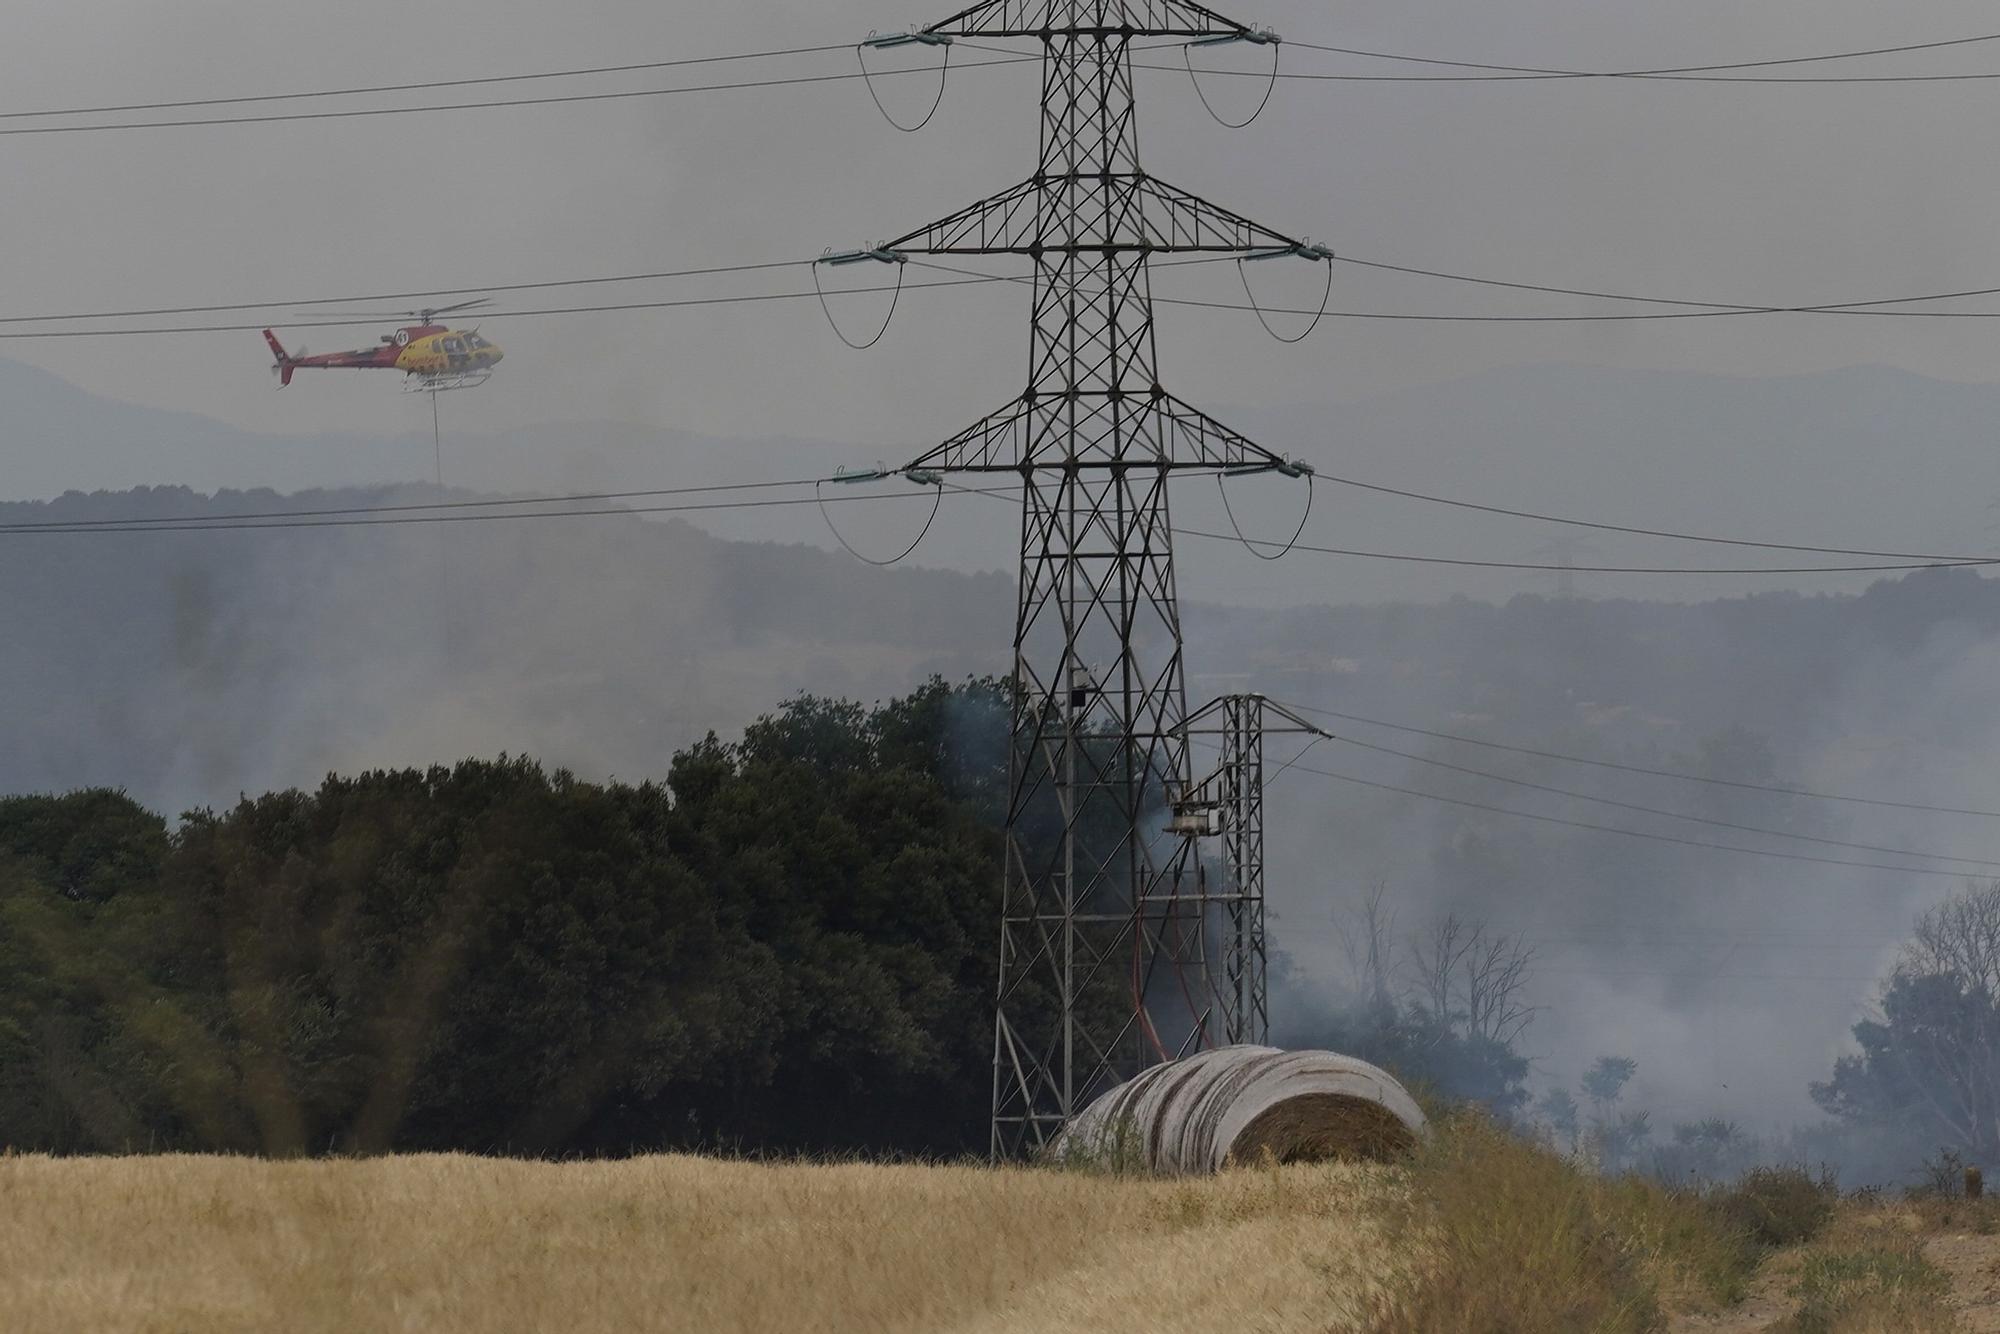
(1973, 1263)
(1970, 1260)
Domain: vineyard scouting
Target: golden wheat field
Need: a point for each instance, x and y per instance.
(445, 1243)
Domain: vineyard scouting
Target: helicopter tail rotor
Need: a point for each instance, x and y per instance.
(286, 363)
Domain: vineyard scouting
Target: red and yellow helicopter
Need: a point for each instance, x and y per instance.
(432, 356)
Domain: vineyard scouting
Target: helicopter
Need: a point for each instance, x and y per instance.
(433, 357)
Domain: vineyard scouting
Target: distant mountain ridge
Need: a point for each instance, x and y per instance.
(1865, 457)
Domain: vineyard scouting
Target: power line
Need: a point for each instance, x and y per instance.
(1655, 810)
(364, 520)
(141, 524)
(1008, 56)
(1627, 833)
(1463, 562)
(1729, 306)
(351, 113)
(1927, 558)
(410, 508)
(1640, 769)
(1704, 309)
(1662, 70)
(971, 276)
(1458, 562)
(598, 280)
(657, 275)
(594, 309)
(1568, 76)
(1858, 310)
(428, 85)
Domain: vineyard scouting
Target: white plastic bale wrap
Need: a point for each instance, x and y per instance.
(1238, 1104)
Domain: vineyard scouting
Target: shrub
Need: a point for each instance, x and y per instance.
(1517, 1240)
(1778, 1206)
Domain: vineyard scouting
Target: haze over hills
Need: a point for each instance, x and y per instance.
(1864, 457)
(188, 667)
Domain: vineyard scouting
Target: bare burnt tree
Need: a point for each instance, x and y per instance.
(1437, 962)
(1368, 939)
(1959, 938)
(1494, 972)
(1471, 978)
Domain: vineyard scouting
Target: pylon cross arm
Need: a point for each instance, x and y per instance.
(1130, 18)
(1028, 433)
(1127, 212)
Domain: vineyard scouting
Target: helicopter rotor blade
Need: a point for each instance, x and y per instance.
(462, 305)
(372, 316)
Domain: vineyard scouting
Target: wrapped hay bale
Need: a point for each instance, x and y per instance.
(1238, 1104)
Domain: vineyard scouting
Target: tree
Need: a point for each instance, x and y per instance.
(786, 946)
(1707, 1150)
(1928, 1072)
(1558, 1111)
(1471, 979)
(1441, 1008)
(1604, 1083)
(1621, 1140)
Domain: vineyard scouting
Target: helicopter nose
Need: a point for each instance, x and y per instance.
(498, 356)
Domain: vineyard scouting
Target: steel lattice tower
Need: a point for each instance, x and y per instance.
(1105, 901)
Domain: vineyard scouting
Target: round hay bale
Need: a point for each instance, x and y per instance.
(1240, 1105)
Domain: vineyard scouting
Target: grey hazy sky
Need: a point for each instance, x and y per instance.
(1758, 193)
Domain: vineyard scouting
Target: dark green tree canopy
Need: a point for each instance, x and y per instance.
(784, 946)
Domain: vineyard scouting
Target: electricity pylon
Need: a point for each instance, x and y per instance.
(1229, 801)
(1105, 902)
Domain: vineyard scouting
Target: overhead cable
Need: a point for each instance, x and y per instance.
(1295, 545)
(1659, 71)
(653, 66)
(1678, 775)
(1701, 309)
(973, 275)
(427, 85)
(1653, 810)
(1539, 568)
(1921, 557)
(350, 113)
(220, 524)
(1766, 80)
(569, 499)
(538, 312)
(598, 280)
(1629, 833)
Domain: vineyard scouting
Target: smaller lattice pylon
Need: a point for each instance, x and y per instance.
(1228, 803)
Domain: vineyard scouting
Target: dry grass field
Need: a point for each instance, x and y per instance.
(452, 1243)
(1480, 1234)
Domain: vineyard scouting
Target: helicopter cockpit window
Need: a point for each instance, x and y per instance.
(476, 343)
(453, 345)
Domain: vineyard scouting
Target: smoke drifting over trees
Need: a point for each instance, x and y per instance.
(187, 668)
